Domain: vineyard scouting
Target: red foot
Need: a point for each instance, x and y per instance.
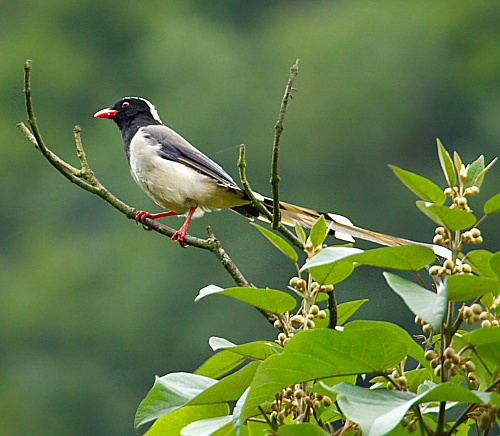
(142, 215)
(182, 232)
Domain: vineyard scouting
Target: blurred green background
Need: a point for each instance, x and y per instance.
(91, 306)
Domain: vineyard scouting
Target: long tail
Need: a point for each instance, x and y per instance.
(341, 227)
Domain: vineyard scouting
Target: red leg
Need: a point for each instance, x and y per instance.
(179, 234)
(141, 215)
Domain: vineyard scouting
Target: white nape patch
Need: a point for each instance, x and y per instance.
(152, 108)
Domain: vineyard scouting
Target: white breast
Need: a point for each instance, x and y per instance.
(175, 186)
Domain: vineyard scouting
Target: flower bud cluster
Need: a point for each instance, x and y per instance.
(476, 313)
(441, 237)
(453, 364)
(449, 268)
(296, 401)
(485, 415)
(426, 327)
(472, 236)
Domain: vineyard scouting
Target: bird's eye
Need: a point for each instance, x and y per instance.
(125, 104)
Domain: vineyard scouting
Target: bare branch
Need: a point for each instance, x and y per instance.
(275, 178)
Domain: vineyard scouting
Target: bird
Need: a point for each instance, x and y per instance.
(185, 182)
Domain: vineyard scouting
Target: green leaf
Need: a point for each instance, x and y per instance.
(259, 350)
(404, 257)
(458, 162)
(378, 411)
(344, 312)
(299, 231)
(479, 179)
(424, 188)
(169, 393)
(220, 364)
(173, 423)
(428, 305)
(330, 255)
(486, 342)
(479, 260)
(462, 287)
(362, 347)
(207, 427)
(453, 219)
(492, 205)
(303, 429)
(327, 267)
(318, 232)
(278, 242)
(267, 299)
(446, 164)
(229, 388)
(475, 169)
(495, 263)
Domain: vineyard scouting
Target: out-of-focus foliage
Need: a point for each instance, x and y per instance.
(91, 306)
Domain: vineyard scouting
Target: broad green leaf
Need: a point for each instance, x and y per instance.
(303, 429)
(210, 426)
(492, 205)
(267, 299)
(457, 161)
(479, 179)
(428, 305)
(362, 347)
(453, 219)
(404, 257)
(462, 287)
(229, 388)
(495, 263)
(318, 232)
(220, 364)
(278, 242)
(330, 255)
(344, 312)
(424, 188)
(259, 350)
(486, 342)
(446, 164)
(479, 260)
(475, 169)
(378, 411)
(169, 393)
(173, 423)
(328, 268)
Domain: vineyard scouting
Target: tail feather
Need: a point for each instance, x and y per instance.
(342, 228)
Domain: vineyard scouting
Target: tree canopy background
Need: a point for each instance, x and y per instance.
(91, 306)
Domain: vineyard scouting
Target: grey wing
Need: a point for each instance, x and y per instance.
(174, 147)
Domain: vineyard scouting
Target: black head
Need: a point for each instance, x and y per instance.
(131, 112)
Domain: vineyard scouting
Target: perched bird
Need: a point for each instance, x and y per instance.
(181, 179)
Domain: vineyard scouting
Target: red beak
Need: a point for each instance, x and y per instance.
(106, 113)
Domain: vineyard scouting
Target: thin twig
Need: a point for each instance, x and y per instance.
(275, 178)
(257, 203)
(332, 307)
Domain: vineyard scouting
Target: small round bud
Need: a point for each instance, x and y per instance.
(294, 281)
(435, 362)
(456, 359)
(274, 406)
(277, 324)
(405, 421)
(281, 417)
(453, 371)
(475, 190)
(427, 328)
(433, 270)
(310, 324)
(467, 311)
(327, 401)
(281, 337)
(430, 355)
(297, 320)
(462, 202)
(476, 308)
(314, 310)
(418, 320)
(308, 401)
(299, 393)
(475, 233)
(321, 314)
(329, 288)
(485, 422)
(470, 366)
(440, 231)
(466, 236)
(449, 352)
(301, 284)
(448, 192)
(317, 405)
(447, 364)
(412, 427)
(478, 240)
(494, 323)
(438, 240)
(484, 315)
(448, 264)
(486, 323)
(289, 392)
(315, 286)
(466, 268)
(437, 370)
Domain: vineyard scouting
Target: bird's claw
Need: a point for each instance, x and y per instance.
(140, 216)
(179, 237)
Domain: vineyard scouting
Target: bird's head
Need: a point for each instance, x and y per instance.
(129, 109)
